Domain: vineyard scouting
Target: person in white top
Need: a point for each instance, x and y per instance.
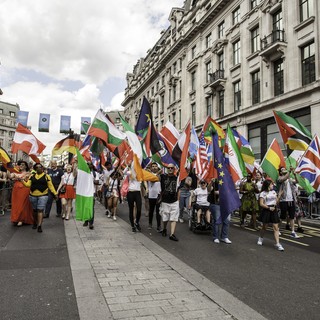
(107, 171)
(67, 183)
(134, 199)
(202, 204)
(268, 201)
(153, 192)
(113, 193)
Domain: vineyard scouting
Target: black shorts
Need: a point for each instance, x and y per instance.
(204, 209)
(287, 207)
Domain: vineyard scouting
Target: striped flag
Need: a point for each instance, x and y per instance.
(84, 190)
(201, 157)
(233, 157)
(293, 133)
(309, 165)
(273, 160)
(66, 144)
(169, 135)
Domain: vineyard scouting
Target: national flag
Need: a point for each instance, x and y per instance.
(146, 130)
(85, 123)
(233, 157)
(194, 143)
(201, 158)
(228, 196)
(133, 139)
(103, 129)
(66, 144)
(7, 162)
(22, 117)
(309, 165)
(25, 141)
(211, 126)
(245, 150)
(273, 160)
(84, 190)
(293, 133)
(164, 154)
(181, 150)
(170, 135)
(141, 174)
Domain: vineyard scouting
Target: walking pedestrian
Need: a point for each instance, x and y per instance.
(113, 193)
(169, 209)
(184, 197)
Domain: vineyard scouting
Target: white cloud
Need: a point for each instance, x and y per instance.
(56, 55)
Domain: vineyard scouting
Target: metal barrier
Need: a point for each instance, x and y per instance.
(312, 206)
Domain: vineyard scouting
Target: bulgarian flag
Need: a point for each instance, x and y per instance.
(84, 190)
(101, 127)
(273, 160)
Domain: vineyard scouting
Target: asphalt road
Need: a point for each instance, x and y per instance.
(279, 285)
(35, 275)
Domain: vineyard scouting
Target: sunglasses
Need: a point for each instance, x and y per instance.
(202, 183)
(171, 168)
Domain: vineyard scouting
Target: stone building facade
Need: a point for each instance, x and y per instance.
(235, 60)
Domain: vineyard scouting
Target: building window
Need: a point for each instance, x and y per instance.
(193, 114)
(157, 86)
(308, 64)
(221, 61)
(237, 95)
(174, 93)
(174, 119)
(193, 52)
(254, 136)
(278, 77)
(117, 120)
(193, 81)
(255, 40)
(162, 80)
(157, 108)
(174, 68)
(162, 103)
(12, 114)
(255, 78)
(208, 40)
(254, 3)
(236, 52)
(209, 106)
(236, 16)
(208, 71)
(306, 9)
(152, 91)
(277, 22)
(179, 119)
(1, 111)
(221, 30)
(221, 103)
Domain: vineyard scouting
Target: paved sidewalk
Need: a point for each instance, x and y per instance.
(121, 275)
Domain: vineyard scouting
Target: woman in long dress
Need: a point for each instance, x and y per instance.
(21, 208)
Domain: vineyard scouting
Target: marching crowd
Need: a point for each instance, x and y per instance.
(31, 191)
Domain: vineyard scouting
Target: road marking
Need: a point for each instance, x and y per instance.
(296, 242)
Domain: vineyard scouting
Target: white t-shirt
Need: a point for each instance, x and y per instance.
(154, 189)
(270, 198)
(107, 174)
(68, 178)
(202, 196)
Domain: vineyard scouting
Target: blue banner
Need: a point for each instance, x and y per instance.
(44, 122)
(65, 124)
(86, 120)
(23, 117)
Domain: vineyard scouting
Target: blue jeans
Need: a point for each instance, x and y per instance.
(183, 203)
(216, 222)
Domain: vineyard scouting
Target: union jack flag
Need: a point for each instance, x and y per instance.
(201, 158)
(309, 164)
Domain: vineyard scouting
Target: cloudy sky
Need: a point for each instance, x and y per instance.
(71, 57)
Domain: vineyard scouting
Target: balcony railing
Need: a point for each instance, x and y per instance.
(275, 36)
(219, 74)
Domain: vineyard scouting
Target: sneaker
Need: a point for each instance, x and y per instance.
(279, 233)
(114, 218)
(288, 227)
(63, 216)
(294, 235)
(226, 240)
(134, 229)
(164, 232)
(138, 227)
(109, 215)
(216, 240)
(39, 229)
(173, 238)
(260, 241)
(279, 247)
(159, 229)
(34, 226)
(181, 220)
(150, 227)
(299, 229)
(91, 227)
(85, 224)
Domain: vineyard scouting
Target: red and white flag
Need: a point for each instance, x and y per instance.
(170, 135)
(25, 141)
